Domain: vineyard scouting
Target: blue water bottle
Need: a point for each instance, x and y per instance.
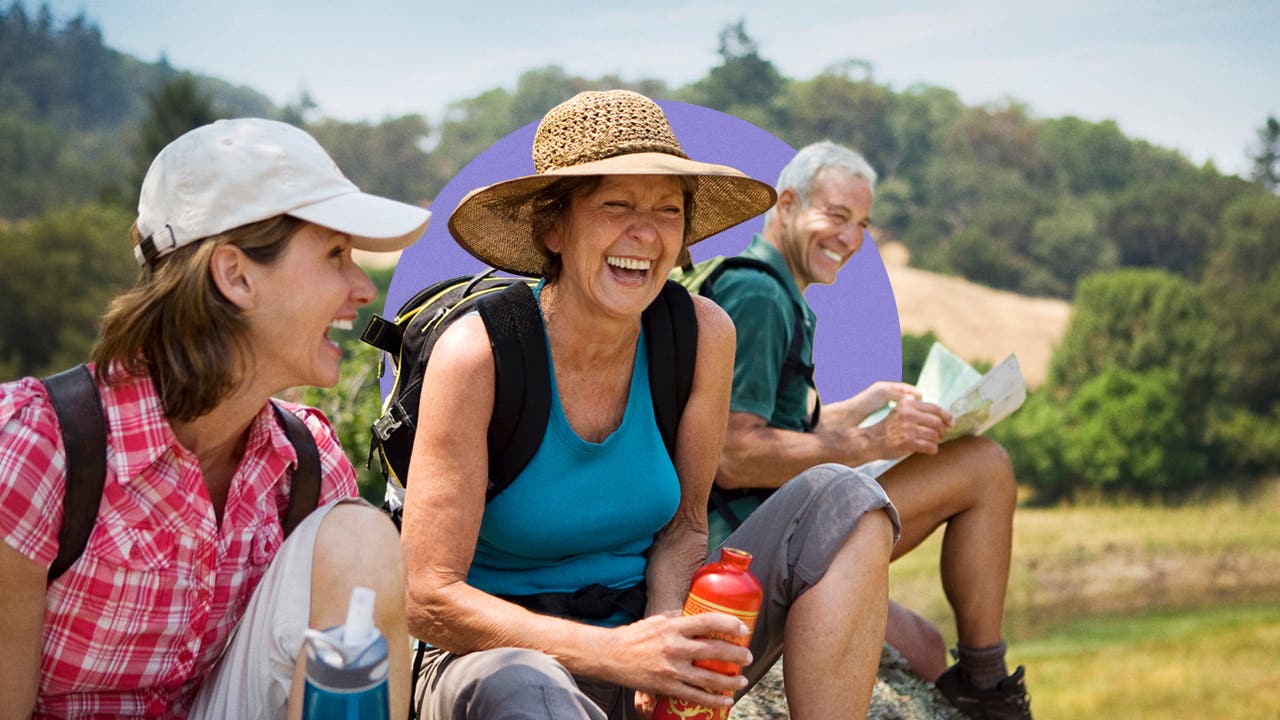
(347, 667)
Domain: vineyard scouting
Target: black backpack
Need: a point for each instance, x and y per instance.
(522, 393)
(701, 278)
(78, 406)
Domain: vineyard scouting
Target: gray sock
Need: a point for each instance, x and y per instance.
(984, 666)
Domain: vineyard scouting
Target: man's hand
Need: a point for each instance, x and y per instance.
(881, 393)
(912, 427)
(846, 414)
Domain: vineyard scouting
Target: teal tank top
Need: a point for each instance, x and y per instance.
(581, 512)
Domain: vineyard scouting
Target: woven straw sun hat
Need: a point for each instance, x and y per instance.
(611, 132)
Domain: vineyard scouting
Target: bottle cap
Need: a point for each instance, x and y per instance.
(359, 629)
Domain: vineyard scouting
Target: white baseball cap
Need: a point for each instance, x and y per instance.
(234, 172)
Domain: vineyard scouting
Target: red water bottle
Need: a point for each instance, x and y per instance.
(729, 587)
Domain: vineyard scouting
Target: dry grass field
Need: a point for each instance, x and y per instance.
(976, 322)
(1137, 611)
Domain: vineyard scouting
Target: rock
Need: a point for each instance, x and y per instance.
(898, 695)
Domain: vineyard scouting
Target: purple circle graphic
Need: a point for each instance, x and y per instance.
(859, 339)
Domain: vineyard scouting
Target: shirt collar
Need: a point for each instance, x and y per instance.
(764, 251)
(140, 433)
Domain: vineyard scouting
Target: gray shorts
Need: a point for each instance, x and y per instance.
(792, 538)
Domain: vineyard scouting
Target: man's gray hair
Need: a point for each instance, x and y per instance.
(813, 159)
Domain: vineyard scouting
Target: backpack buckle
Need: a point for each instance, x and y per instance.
(386, 425)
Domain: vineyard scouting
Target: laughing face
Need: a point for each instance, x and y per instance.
(618, 242)
(312, 288)
(819, 237)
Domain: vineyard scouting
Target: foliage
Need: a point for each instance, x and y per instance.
(1242, 285)
(351, 407)
(1034, 439)
(744, 83)
(1061, 207)
(832, 105)
(1087, 157)
(70, 111)
(915, 348)
(1126, 432)
(1140, 321)
(1245, 442)
(386, 159)
(176, 107)
(1266, 155)
(57, 275)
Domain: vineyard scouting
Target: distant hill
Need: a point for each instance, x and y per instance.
(70, 108)
(977, 322)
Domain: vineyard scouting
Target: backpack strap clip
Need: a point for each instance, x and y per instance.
(392, 420)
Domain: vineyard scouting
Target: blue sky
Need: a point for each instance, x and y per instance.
(1184, 74)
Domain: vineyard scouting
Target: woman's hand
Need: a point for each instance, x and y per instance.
(655, 655)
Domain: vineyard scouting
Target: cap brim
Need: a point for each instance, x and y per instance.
(374, 223)
(493, 222)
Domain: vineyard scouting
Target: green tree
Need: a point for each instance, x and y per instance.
(469, 127)
(57, 275)
(1266, 155)
(915, 348)
(1034, 438)
(174, 108)
(1140, 321)
(1001, 135)
(1087, 157)
(1066, 245)
(537, 91)
(386, 158)
(1242, 287)
(744, 83)
(857, 113)
(1168, 223)
(921, 118)
(1127, 433)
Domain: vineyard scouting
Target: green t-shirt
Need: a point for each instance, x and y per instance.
(763, 314)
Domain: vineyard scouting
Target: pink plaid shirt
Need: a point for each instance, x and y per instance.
(134, 626)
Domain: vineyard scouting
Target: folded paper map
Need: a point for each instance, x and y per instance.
(976, 401)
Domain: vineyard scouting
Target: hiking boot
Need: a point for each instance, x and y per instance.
(1008, 700)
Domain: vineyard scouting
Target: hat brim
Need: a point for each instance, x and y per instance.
(376, 224)
(494, 223)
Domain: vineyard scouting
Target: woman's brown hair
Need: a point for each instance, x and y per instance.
(176, 326)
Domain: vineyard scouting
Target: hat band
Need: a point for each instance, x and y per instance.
(155, 245)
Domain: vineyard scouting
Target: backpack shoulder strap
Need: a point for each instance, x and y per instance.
(305, 493)
(522, 383)
(76, 402)
(793, 365)
(671, 332)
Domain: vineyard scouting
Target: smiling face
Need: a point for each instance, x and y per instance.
(313, 287)
(618, 241)
(818, 237)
